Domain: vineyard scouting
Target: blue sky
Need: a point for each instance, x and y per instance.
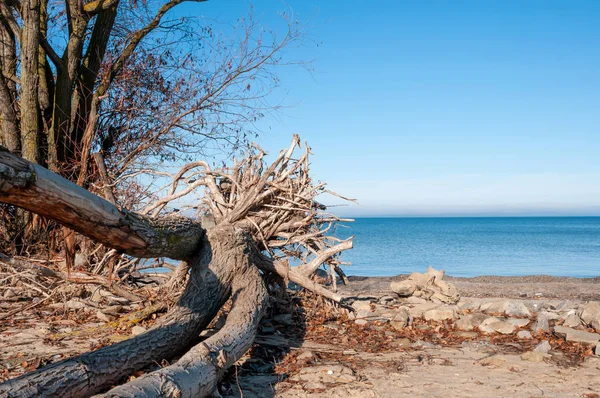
(480, 107)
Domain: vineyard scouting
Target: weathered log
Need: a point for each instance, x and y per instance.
(37, 189)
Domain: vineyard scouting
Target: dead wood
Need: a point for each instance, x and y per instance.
(257, 217)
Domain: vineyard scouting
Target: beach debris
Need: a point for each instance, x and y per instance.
(429, 286)
(590, 314)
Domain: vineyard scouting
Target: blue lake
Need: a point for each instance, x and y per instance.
(560, 246)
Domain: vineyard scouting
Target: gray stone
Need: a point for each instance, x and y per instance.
(577, 336)
(470, 322)
(361, 322)
(469, 304)
(414, 300)
(401, 319)
(543, 347)
(418, 310)
(497, 325)
(137, 330)
(439, 314)
(541, 324)
(551, 316)
(360, 305)
(403, 288)
(507, 307)
(519, 322)
(524, 334)
(590, 314)
(572, 320)
(534, 356)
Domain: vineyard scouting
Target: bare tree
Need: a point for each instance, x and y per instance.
(260, 215)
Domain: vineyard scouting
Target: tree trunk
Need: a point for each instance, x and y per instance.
(29, 80)
(221, 258)
(223, 255)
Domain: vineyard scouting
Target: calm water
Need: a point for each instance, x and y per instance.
(561, 246)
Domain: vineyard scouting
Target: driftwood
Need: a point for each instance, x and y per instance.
(257, 216)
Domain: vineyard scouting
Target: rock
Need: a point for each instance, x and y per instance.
(497, 325)
(469, 304)
(543, 347)
(577, 336)
(418, 310)
(541, 324)
(470, 322)
(137, 330)
(439, 314)
(414, 300)
(401, 319)
(429, 285)
(572, 320)
(105, 317)
(361, 322)
(534, 356)
(403, 288)
(597, 349)
(590, 314)
(9, 293)
(551, 316)
(362, 305)
(495, 361)
(524, 334)
(506, 307)
(519, 322)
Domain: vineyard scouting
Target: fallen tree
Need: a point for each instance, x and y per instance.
(258, 217)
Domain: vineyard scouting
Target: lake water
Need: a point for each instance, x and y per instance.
(560, 246)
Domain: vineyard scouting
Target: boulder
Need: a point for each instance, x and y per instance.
(572, 320)
(470, 322)
(401, 319)
(590, 314)
(506, 307)
(418, 310)
(577, 336)
(497, 325)
(439, 314)
(429, 286)
(541, 324)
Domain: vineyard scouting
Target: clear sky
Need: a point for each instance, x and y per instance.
(448, 107)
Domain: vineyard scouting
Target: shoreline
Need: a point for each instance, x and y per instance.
(523, 287)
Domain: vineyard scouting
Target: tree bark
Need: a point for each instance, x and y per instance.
(34, 188)
(29, 80)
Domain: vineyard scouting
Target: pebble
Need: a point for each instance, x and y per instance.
(524, 334)
(543, 347)
(136, 330)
